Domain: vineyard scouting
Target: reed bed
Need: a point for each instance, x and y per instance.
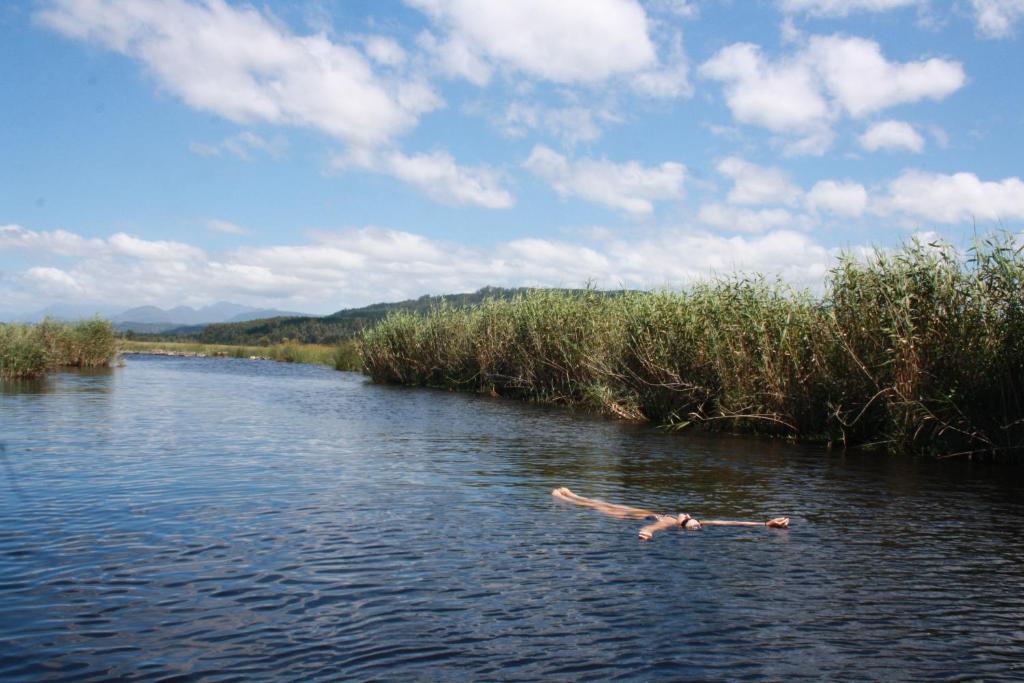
(343, 356)
(33, 350)
(918, 350)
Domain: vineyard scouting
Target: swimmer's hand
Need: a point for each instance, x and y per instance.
(661, 522)
(778, 523)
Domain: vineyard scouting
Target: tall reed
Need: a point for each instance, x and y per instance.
(914, 350)
(33, 350)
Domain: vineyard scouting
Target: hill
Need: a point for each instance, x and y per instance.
(154, 320)
(328, 329)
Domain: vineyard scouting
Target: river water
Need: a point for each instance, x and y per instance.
(239, 520)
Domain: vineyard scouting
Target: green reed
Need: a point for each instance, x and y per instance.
(915, 350)
(33, 350)
(342, 356)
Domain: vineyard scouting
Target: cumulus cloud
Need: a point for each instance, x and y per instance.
(572, 41)
(753, 184)
(956, 198)
(844, 198)
(892, 135)
(781, 96)
(629, 186)
(767, 185)
(997, 18)
(805, 92)
(333, 270)
(243, 65)
(842, 8)
(437, 175)
(863, 81)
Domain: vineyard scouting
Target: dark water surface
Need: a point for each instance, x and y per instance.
(238, 520)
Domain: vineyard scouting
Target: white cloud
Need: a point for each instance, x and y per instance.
(753, 184)
(60, 242)
(805, 92)
(629, 186)
(552, 262)
(572, 125)
(892, 135)
(384, 50)
(842, 8)
(437, 175)
(940, 135)
(780, 96)
(53, 281)
(843, 198)
(685, 9)
(245, 66)
(571, 41)
(242, 145)
(333, 270)
(956, 198)
(863, 81)
(153, 250)
(668, 79)
(64, 243)
(736, 219)
(456, 58)
(226, 227)
(997, 18)
(814, 143)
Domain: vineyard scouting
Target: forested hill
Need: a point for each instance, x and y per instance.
(328, 329)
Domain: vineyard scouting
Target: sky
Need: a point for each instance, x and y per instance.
(314, 155)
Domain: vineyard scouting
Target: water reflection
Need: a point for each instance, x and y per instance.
(66, 380)
(35, 385)
(206, 518)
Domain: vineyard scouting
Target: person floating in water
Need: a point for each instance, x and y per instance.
(658, 522)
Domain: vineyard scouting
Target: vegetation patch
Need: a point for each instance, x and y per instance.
(33, 350)
(917, 350)
(342, 356)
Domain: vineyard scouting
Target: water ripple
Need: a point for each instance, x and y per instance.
(184, 519)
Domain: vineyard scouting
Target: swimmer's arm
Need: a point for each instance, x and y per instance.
(777, 523)
(662, 522)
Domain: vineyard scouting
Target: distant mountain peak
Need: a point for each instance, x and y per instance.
(219, 312)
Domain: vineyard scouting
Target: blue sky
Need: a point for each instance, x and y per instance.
(324, 154)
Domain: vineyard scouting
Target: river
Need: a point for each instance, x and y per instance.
(225, 519)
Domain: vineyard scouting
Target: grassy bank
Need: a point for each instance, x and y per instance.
(33, 350)
(916, 350)
(343, 356)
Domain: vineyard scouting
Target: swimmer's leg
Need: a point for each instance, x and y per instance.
(621, 511)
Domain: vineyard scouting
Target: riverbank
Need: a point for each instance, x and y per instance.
(343, 356)
(916, 350)
(34, 350)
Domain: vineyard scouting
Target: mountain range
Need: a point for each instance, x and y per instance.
(153, 320)
(220, 312)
